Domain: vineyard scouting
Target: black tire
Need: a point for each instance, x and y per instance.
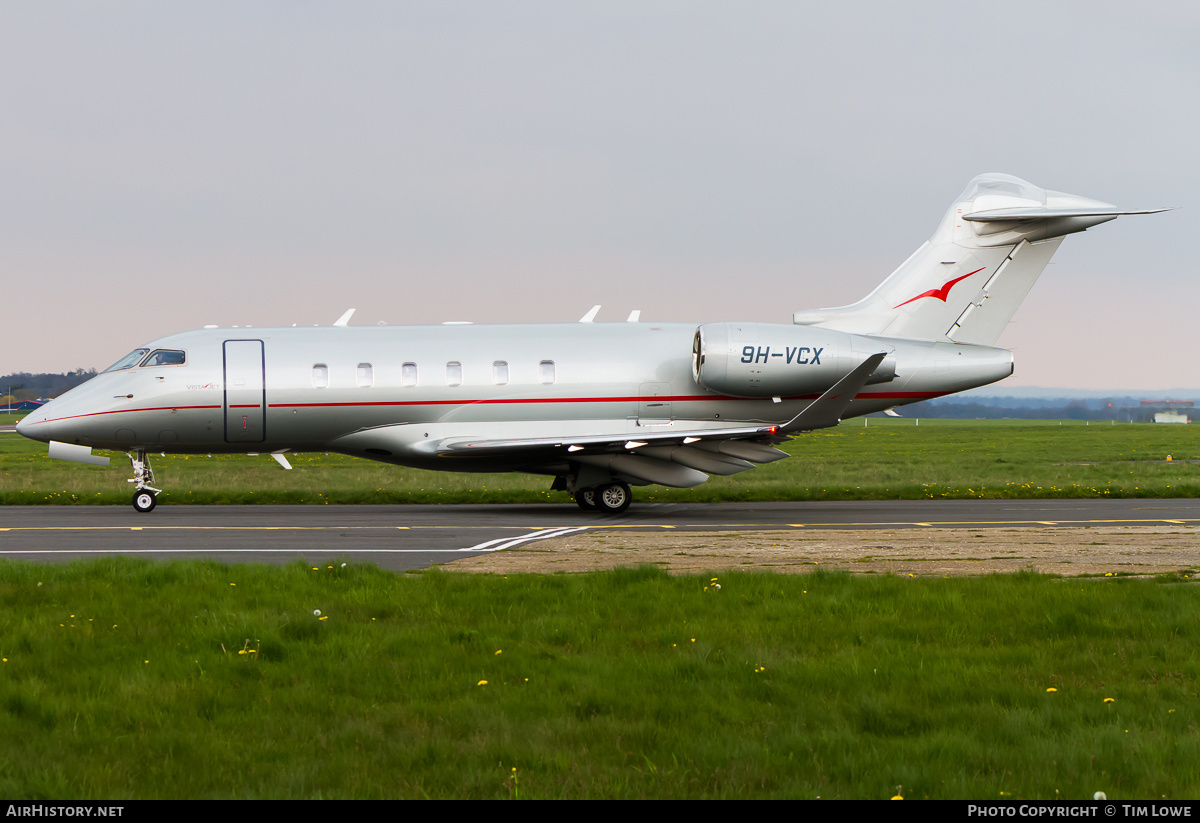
(613, 498)
(586, 499)
(145, 501)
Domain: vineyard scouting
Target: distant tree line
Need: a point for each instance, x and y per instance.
(1033, 409)
(26, 386)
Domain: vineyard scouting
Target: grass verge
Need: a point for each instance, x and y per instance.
(129, 679)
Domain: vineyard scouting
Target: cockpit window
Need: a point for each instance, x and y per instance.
(165, 357)
(128, 361)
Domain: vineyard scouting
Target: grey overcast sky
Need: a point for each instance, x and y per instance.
(169, 165)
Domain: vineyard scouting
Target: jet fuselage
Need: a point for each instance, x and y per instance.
(328, 388)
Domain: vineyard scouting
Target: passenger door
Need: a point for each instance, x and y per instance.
(245, 392)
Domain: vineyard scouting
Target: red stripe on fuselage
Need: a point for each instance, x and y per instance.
(123, 411)
(910, 395)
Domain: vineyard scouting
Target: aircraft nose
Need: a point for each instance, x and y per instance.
(26, 425)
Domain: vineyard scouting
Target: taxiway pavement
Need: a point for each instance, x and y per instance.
(407, 537)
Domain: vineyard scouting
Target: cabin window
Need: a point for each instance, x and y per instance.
(454, 373)
(320, 376)
(500, 372)
(165, 357)
(408, 374)
(546, 371)
(128, 361)
(366, 376)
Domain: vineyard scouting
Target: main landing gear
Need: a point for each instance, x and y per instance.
(608, 498)
(146, 496)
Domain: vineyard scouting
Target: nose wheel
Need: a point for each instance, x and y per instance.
(146, 496)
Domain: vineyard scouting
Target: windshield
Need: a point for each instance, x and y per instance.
(165, 357)
(128, 361)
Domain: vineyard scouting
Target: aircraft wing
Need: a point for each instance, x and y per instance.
(672, 458)
(465, 446)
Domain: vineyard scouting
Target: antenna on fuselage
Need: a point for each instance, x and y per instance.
(634, 316)
(590, 316)
(344, 320)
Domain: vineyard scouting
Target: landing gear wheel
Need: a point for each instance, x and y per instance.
(145, 501)
(613, 498)
(586, 500)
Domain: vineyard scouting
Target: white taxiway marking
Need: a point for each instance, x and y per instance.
(508, 542)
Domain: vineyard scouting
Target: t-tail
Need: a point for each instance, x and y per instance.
(966, 282)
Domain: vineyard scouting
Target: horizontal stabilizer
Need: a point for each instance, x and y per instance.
(75, 454)
(827, 410)
(996, 215)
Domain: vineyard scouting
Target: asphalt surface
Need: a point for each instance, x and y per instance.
(415, 537)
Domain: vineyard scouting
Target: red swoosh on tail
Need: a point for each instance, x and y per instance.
(943, 292)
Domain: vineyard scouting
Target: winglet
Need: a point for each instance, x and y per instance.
(827, 409)
(590, 316)
(344, 320)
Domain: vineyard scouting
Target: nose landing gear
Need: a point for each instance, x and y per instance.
(146, 496)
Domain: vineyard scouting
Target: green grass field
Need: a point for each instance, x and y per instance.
(887, 458)
(129, 679)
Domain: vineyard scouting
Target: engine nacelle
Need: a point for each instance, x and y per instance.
(775, 360)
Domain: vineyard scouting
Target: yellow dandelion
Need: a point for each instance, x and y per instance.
(241, 651)
(1051, 689)
(481, 683)
(1109, 700)
(499, 650)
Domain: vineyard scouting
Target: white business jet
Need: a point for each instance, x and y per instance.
(599, 407)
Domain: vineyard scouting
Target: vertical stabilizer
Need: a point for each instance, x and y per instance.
(966, 282)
